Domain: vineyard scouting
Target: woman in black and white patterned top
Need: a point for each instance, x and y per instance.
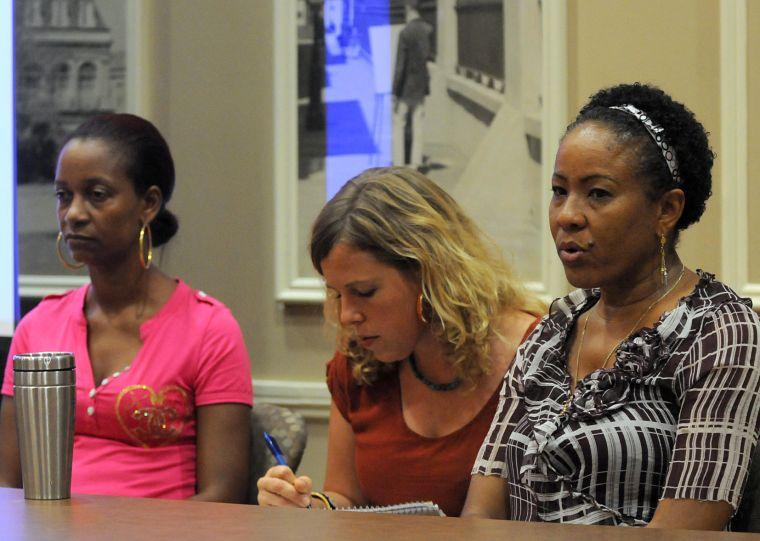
(636, 400)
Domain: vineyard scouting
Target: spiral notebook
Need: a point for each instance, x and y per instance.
(410, 508)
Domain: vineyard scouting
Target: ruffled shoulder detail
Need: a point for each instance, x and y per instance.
(711, 293)
(565, 309)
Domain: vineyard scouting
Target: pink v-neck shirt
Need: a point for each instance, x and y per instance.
(135, 431)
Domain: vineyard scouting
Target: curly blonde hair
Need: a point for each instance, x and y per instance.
(407, 221)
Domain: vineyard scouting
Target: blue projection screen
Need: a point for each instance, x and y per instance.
(358, 96)
(8, 289)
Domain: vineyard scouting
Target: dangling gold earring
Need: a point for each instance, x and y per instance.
(663, 267)
(145, 260)
(61, 258)
(420, 313)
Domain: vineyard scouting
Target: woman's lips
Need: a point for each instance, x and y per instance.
(570, 257)
(573, 251)
(367, 341)
(75, 241)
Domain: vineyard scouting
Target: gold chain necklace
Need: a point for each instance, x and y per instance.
(615, 348)
(641, 317)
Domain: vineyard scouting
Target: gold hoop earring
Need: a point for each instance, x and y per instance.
(663, 267)
(420, 313)
(62, 258)
(145, 259)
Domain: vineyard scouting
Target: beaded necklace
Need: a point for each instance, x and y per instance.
(450, 386)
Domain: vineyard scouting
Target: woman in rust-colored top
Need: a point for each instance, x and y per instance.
(434, 469)
(429, 322)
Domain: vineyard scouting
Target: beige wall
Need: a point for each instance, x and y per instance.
(210, 90)
(674, 45)
(753, 135)
(214, 101)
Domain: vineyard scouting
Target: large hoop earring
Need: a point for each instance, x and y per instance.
(62, 258)
(145, 258)
(420, 312)
(663, 267)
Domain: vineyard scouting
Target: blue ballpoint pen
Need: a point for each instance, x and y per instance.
(275, 449)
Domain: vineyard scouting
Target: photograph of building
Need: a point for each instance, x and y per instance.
(70, 64)
(439, 85)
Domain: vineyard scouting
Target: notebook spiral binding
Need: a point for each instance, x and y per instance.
(410, 508)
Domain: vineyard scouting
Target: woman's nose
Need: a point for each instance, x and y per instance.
(571, 213)
(76, 212)
(349, 314)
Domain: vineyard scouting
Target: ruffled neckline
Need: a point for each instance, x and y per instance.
(547, 383)
(638, 356)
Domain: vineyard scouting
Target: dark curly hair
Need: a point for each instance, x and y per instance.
(682, 130)
(147, 161)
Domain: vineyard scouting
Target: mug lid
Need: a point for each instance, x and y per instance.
(44, 360)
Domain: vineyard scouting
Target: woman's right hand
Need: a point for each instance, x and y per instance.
(281, 488)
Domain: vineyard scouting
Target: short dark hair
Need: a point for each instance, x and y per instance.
(147, 160)
(682, 130)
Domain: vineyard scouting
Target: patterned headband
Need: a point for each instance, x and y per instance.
(658, 135)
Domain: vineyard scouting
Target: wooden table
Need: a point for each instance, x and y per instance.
(115, 519)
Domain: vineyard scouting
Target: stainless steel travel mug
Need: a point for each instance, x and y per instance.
(44, 387)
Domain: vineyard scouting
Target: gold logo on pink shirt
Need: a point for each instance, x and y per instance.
(153, 419)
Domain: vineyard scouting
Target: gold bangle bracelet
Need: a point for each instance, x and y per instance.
(325, 499)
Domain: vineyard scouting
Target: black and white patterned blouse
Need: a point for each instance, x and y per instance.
(675, 417)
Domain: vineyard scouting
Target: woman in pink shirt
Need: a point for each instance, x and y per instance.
(163, 376)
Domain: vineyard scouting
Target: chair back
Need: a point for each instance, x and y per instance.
(287, 427)
(747, 517)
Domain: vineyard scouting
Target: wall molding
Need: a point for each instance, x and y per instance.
(734, 149)
(289, 286)
(310, 399)
(39, 286)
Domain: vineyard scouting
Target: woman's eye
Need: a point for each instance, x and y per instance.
(367, 293)
(598, 193)
(98, 195)
(61, 195)
(557, 191)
